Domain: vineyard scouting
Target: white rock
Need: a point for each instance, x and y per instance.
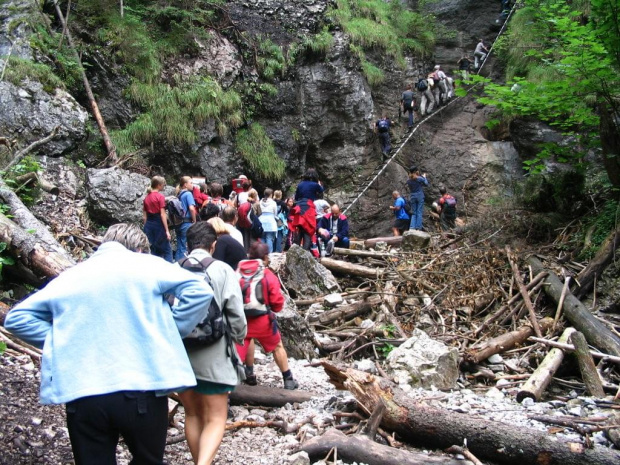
(495, 358)
(367, 365)
(502, 383)
(36, 421)
(527, 402)
(367, 323)
(331, 300)
(495, 393)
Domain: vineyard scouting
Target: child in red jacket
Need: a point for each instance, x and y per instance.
(264, 328)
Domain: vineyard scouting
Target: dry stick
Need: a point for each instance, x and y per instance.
(586, 366)
(22, 153)
(64, 29)
(375, 420)
(112, 157)
(465, 453)
(540, 379)
(524, 294)
(561, 302)
(571, 348)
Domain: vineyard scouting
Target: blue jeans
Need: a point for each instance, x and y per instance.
(417, 209)
(410, 111)
(160, 245)
(279, 245)
(269, 237)
(181, 231)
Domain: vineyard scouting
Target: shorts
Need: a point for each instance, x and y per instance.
(401, 224)
(260, 329)
(210, 388)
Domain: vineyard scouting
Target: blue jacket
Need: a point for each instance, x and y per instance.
(308, 190)
(343, 225)
(415, 186)
(400, 212)
(105, 327)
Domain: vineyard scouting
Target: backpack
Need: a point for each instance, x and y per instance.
(449, 205)
(422, 85)
(435, 76)
(212, 327)
(243, 211)
(175, 210)
(257, 226)
(383, 125)
(251, 274)
(407, 206)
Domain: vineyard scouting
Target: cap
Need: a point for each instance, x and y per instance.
(437, 66)
(243, 176)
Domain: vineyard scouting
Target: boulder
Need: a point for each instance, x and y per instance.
(424, 362)
(306, 278)
(115, 195)
(415, 240)
(30, 113)
(296, 334)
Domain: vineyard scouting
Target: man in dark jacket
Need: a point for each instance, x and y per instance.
(333, 230)
(382, 126)
(407, 102)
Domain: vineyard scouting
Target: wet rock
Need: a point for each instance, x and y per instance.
(30, 113)
(115, 195)
(415, 240)
(296, 334)
(306, 278)
(529, 136)
(15, 28)
(424, 362)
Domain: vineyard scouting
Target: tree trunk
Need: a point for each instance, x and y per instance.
(435, 427)
(504, 342)
(112, 156)
(346, 312)
(596, 333)
(268, 396)
(390, 240)
(351, 268)
(362, 253)
(610, 143)
(587, 277)
(587, 368)
(360, 449)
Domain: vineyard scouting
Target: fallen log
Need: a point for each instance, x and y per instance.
(362, 253)
(435, 427)
(342, 267)
(388, 307)
(346, 312)
(596, 333)
(32, 178)
(390, 240)
(540, 379)
(360, 449)
(571, 348)
(504, 342)
(268, 396)
(524, 294)
(587, 277)
(589, 375)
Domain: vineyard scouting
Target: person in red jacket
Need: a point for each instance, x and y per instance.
(264, 328)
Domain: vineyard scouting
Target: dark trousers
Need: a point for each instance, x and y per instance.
(95, 424)
(384, 138)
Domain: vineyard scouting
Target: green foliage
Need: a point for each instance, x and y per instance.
(174, 114)
(2, 347)
(65, 65)
(26, 193)
(385, 26)
(550, 192)
(256, 148)
(562, 61)
(385, 349)
(4, 260)
(19, 69)
(318, 44)
(597, 227)
(271, 61)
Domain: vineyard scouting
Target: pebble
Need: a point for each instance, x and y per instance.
(501, 383)
(495, 393)
(36, 421)
(495, 358)
(367, 366)
(528, 402)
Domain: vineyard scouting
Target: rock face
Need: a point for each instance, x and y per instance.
(29, 113)
(529, 136)
(115, 195)
(15, 28)
(423, 362)
(304, 277)
(296, 334)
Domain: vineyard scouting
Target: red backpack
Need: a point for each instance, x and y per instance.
(243, 214)
(251, 277)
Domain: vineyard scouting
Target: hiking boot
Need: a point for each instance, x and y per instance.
(290, 383)
(329, 249)
(250, 380)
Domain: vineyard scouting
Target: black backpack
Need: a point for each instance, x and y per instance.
(407, 206)
(257, 226)
(212, 327)
(422, 85)
(383, 125)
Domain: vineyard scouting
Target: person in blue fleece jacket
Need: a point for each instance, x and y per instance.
(112, 345)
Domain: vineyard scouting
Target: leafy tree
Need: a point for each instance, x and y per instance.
(563, 63)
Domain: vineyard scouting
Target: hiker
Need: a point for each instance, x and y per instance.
(242, 196)
(401, 218)
(464, 66)
(322, 208)
(210, 210)
(333, 230)
(304, 218)
(280, 221)
(445, 84)
(264, 326)
(267, 217)
(230, 217)
(227, 249)
(237, 183)
(200, 194)
(427, 101)
(415, 183)
(155, 219)
(244, 223)
(184, 193)
(382, 127)
(290, 220)
(112, 345)
(216, 191)
(216, 366)
(447, 209)
(407, 101)
(480, 54)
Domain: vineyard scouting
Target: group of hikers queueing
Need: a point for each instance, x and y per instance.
(126, 327)
(408, 212)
